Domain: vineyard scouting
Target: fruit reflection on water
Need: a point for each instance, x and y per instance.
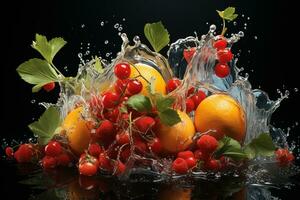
(77, 131)
(223, 114)
(177, 137)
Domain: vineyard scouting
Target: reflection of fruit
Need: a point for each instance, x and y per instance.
(175, 193)
(77, 131)
(223, 114)
(148, 72)
(177, 137)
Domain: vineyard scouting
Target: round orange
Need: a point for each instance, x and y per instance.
(148, 72)
(77, 131)
(178, 137)
(223, 114)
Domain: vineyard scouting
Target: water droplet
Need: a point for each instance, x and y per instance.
(248, 18)
(241, 34)
(296, 123)
(107, 54)
(136, 40)
(116, 25)
(79, 55)
(88, 44)
(255, 37)
(102, 23)
(245, 24)
(234, 23)
(106, 42)
(119, 34)
(66, 68)
(249, 51)
(245, 28)
(296, 89)
(212, 28)
(206, 23)
(123, 19)
(32, 101)
(120, 28)
(82, 25)
(243, 15)
(87, 52)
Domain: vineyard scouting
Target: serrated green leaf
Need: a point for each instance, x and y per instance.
(221, 13)
(261, 146)
(37, 72)
(163, 102)
(169, 117)
(98, 66)
(228, 14)
(231, 148)
(140, 103)
(157, 35)
(47, 49)
(233, 17)
(236, 154)
(45, 127)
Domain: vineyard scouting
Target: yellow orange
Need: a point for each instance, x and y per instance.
(223, 114)
(148, 72)
(77, 131)
(177, 137)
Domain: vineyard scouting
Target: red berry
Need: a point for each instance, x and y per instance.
(140, 145)
(201, 156)
(220, 44)
(104, 162)
(110, 100)
(144, 124)
(112, 115)
(284, 157)
(191, 91)
(122, 70)
(191, 162)
(64, 159)
(94, 149)
(222, 70)
(134, 86)
(49, 86)
(185, 154)
(122, 138)
(172, 84)
(223, 162)
(88, 168)
(9, 152)
(105, 130)
(180, 166)
(224, 56)
(24, 154)
(49, 162)
(155, 145)
(197, 98)
(207, 144)
(188, 54)
(125, 153)
(120, 168)
(53, 149)
(189, 105)
(212, 165)
(120, 86)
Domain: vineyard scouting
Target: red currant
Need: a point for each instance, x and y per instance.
(191, 91)
(155, 145)
(49, 162)
(120, 86)
(104, 162)
(49, 86)
(120, 168)
(110, 100)
(24, 154)
(94, 149)
(191, 162)
(122, 138)
(172, 84)
(212, 164)
(188, 54)
(180, 166)
(64, 159)
(105, 130)
(122, 70)
(125, 153)
(140, 145)
(112, 115)
(185, 154)
(222, 70)
(53, 148)
(220, 44)
(197, 98)
(201, 156)
(224, 56)
(9, 152)
(207, 144)
(88, 168)
(144, 124)
(134, 86)
(284, 157)
(189, 105)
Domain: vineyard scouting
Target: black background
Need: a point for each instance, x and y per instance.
(274, 55)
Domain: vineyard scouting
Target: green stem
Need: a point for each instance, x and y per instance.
(224, 28)
(57, 70)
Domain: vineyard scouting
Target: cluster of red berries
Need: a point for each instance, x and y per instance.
(224, 56)
(202, 156)
(284, 157)
(24, 154)
(193, 97)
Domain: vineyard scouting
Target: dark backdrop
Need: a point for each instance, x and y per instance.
(273, 57)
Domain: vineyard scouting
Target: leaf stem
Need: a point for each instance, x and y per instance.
(52, 65)
(224, 28)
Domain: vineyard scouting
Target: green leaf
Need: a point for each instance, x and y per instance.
(157, 35)
(163, 102)
(98, 66)
(151, 86)
(260, 146)
(169, 117)
(123, 109)
(228, 14)
(231, 148)
(37, 72)
(140, 103)
(45, 127)
(47, 49)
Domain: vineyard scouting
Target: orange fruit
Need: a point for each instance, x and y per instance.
(77, 131)
(223, 114)
(175, 193)
(178, 137)
(148, 72)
